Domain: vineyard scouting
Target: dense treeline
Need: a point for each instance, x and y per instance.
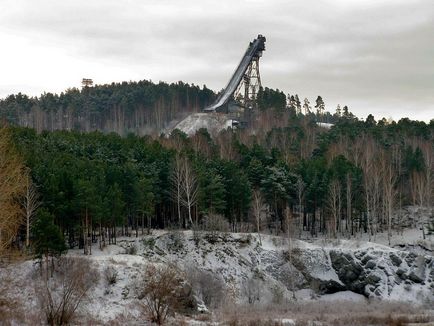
(141, 107)
(284, 172)
(341, 181)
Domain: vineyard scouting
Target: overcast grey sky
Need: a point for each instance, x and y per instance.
(376, 56)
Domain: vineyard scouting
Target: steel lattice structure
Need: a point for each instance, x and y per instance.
(244, 84)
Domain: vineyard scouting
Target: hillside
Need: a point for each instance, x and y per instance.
(140, 107)
(226, 269)
(213, 122)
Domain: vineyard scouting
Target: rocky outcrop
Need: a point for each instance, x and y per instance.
(374, 271)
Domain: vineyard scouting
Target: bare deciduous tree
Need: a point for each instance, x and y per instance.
(334, 204)
(176, 179)
(389, 179)
(189, 186)
(417, 186)
(12, 186)
(300, 187)
(225, 144)
(349, 201)
(371, 180)
(258, 210)
(428, 154)
(30, 203)
(61, 295)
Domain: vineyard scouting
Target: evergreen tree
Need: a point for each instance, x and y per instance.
(306, 106)
(320, 107)
(297, 104)
(48, 239)
(212, 193)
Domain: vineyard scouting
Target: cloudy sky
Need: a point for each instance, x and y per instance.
(376, 56)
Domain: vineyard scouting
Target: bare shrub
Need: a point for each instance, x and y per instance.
(207, 286)
(214, 224)
(110, 275)
(159, 288)
(61, 295)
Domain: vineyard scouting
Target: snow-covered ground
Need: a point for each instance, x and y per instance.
(325, 125)
(213, 122)
(317, 270)
(264, 269)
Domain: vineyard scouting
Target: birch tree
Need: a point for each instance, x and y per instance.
(176, 179)
(189, 188)
(349, 200)
(300, 187)
(389, 179)
(30, 203)
(367, 164)
(258, 209)
(334, 204)
(428, 154)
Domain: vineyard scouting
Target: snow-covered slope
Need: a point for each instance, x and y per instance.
(214, 122)
(251, 269)
(325, 125)
(369, 269)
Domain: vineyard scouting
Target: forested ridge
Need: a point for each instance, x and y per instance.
(141, 107)
(284, 172)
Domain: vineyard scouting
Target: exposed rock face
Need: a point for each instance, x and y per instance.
(375, 273)
(372, 270)
(315, 266)
(349, 270)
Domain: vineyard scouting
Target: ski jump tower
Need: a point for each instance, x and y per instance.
(243, 87)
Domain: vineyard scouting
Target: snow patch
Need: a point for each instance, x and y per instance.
(213, 122)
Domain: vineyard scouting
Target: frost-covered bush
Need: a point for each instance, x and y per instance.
(214, 224)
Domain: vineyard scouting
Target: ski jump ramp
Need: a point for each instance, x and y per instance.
(246, 72)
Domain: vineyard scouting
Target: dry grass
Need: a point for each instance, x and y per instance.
(12, 309)
(13, 256)
(114, 261)
(328, 313)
